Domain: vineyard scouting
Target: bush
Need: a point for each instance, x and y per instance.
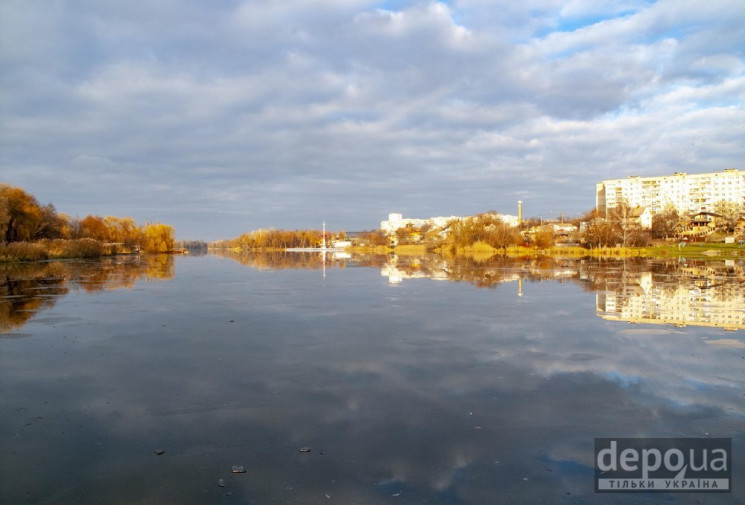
(23, 251)
(482, 247)
(51, 249)
(82, 248)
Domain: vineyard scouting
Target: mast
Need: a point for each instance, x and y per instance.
(324, 235)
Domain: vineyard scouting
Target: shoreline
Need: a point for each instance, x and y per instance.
(700, 251)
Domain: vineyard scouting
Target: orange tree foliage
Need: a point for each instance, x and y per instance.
(22, 219)
(277, 239)
(158, 238)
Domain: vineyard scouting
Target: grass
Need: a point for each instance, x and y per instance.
(51, 249)
(698, 250)
(691, 251)
(378, 249)
(410, 249)
(23, 251)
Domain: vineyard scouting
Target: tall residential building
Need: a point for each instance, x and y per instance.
(689, 193)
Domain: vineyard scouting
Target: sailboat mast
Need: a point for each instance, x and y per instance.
(324, 235)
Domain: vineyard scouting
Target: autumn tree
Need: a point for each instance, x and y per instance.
(158, 238)
(499, 234)
(94, 227)
(50, 225)
(543, 238)
(599, 233)
(374, 238)
(20, 214)
(408, 234)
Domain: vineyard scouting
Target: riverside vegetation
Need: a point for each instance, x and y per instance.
(486, 235)
(30, 232)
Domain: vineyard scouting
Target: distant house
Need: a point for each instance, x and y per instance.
(643, 217)
(564, 228)
(396, 221)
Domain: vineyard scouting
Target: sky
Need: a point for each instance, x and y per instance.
(223, 116)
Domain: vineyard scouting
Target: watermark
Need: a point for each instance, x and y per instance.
(668, 465)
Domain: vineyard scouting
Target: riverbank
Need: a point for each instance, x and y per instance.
(85, 248)
(52, 249)
(701, 251)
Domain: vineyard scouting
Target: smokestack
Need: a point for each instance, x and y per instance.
(520, 212)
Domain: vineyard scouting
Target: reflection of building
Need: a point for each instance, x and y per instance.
(701, 303)
(413, 270)
(687, 193)
(438, 268)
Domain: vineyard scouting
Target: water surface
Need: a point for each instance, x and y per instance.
(411, 380)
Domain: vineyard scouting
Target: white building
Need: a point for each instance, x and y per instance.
(688, 193)
(396, 221)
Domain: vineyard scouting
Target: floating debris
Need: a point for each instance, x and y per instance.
(238, 469)
(159, 452)
(220, 483)
(304, 449)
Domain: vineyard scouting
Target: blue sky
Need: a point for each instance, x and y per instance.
(222, 117)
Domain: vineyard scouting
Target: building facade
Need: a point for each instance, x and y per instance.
(396, 221)
(688, 193)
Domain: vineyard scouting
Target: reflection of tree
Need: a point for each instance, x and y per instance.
(278, 260)
(625, 278)
(27, 288)
(160, 267)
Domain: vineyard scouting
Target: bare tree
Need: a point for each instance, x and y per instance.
(728, 215)
(623, 221)
(666, 224)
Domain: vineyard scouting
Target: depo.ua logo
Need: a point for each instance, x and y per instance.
(668, 465)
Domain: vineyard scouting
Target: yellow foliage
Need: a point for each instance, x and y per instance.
(159, 238)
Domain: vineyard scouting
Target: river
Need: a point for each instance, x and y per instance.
(359, 379)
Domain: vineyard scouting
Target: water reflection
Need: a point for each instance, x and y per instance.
(408, 393)
(707, 294)
(27, 288)
(701, 293)
(278, 260)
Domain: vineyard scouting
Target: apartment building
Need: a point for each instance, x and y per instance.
(688, 193)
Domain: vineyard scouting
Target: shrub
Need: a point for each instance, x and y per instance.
(22, 251)
(82, 248)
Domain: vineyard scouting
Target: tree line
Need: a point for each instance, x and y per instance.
(23, 219)
(620, 226)
(275, 239)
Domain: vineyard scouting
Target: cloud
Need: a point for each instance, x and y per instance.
(360, 108)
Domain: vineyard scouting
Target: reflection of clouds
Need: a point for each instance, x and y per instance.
(727, 342)
(419, 396)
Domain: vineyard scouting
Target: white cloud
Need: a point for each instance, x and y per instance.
(309, 92)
